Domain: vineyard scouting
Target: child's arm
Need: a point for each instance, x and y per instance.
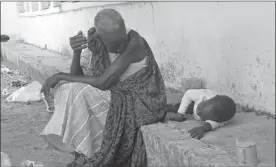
(191, 95)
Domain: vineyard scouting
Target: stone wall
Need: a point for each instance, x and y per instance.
(229, 45)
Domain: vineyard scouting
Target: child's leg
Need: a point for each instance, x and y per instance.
(173, 107)
(174, 116)
(190, 109)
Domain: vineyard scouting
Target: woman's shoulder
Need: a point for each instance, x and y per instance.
(132, 34)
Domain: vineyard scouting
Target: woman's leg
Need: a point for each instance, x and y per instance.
(78, 119)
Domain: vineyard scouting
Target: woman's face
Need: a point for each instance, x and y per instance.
(115, 42)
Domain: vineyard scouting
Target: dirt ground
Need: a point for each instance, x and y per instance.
(21, 124)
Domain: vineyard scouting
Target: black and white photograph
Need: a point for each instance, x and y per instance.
(138, 83)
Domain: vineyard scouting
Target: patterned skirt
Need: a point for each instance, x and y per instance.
(78, 120)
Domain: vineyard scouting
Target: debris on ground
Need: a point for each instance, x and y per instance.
(5, 70)
(5, 92)
(16, 80)
(18, 83)
(28, 163)
(20, 91)
(25, 93)
(13, 74)
(30, 92)
(21, 124)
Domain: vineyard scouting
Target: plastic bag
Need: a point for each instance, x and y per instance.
(5, 160)
(31, 92)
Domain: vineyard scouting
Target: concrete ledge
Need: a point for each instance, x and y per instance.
(170, 144)
(34, 62)
(167, 146)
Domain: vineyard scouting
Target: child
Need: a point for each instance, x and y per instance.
(215, 110)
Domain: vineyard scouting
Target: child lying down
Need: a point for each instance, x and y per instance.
(215, 110)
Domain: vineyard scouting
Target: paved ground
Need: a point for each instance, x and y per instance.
(21, 124)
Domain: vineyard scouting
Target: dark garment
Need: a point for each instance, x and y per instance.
(136, 101)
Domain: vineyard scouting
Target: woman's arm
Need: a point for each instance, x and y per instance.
(77, 43)
(103, 82)
(135, 51)
(75, 68)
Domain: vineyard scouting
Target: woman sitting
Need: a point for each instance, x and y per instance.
(99, 116)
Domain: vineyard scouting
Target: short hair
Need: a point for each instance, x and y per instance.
(223, 107)
(108, 21)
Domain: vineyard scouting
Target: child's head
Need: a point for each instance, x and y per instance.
(219, 108)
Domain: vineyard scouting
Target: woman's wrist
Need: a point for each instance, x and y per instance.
(77, 53)
(61, 75)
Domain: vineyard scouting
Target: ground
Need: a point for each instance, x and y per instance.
(21, 124)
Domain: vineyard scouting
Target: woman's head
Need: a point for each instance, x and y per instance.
(219, 108)
(110, 25)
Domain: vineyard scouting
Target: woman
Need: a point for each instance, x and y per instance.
(126, 84)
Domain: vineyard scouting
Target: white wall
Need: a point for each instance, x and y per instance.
(9, 19)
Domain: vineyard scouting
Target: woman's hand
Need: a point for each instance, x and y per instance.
(78, 42)
(51, 82)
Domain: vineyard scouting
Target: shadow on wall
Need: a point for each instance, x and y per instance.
(188, 83)
(169, 73)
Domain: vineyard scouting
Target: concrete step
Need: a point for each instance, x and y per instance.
(32, 61)
(167, 144)
(170, 145)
